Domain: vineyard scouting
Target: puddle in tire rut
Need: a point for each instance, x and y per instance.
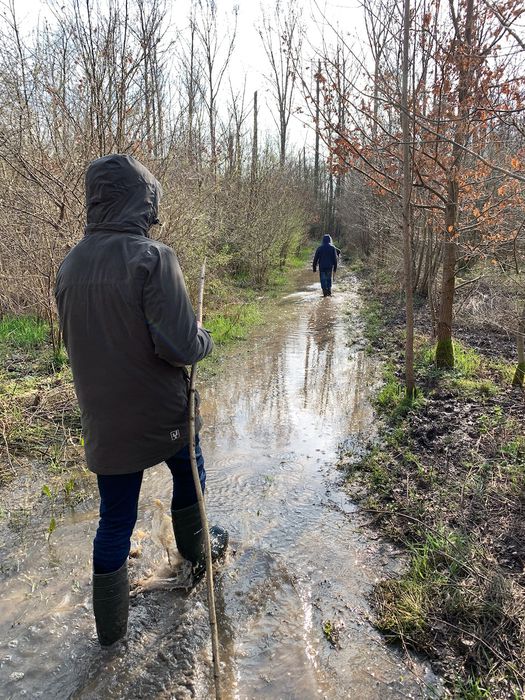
(301, 558)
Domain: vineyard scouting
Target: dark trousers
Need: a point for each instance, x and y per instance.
(119, 498)
(325, 277)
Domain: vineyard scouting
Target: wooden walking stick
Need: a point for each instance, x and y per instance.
(202, 510)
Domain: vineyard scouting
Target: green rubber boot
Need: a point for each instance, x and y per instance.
(190, 541)
(111, 605)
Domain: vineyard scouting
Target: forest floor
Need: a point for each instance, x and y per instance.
(446, 479)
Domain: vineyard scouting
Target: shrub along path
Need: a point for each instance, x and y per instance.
(447, 480)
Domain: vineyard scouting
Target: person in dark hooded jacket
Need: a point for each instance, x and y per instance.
(130, 330)
(326, 257)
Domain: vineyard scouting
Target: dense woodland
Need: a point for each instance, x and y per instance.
(416, 161)
(411, 155)
(426, 137)
(115, 77)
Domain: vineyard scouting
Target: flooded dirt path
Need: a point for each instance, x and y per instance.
(302, 560)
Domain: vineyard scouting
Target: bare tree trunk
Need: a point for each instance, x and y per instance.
(255, 146)
(444, 347)
(217, 57)
(407, 188)
(317, 109)
(519, 374)
(191, 93)
(281, 40)
(230, 155)
(330, 201)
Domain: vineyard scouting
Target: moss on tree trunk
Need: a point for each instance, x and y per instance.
(519, 375)
(445, 354)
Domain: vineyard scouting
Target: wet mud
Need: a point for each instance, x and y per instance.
(292, 593)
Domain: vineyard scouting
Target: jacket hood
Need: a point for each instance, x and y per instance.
(327, 240)
(121, 195)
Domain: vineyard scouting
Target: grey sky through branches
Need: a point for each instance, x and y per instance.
(249, 66)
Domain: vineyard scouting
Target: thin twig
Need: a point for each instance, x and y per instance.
(202, 510)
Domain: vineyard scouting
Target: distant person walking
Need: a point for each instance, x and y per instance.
(326, 257)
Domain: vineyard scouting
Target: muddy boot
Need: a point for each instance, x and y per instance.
(190, 542)
(111, 605)
(325, 292)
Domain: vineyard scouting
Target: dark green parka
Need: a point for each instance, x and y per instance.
(127, 324)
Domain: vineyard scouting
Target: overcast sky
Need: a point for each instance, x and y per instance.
(249, 58)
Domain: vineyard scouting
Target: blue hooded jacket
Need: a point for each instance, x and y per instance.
(326, 255)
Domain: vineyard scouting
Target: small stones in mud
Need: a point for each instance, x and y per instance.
(16, 676)
(332, 632)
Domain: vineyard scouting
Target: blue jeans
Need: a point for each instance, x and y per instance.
(326, 279)
(119, 498)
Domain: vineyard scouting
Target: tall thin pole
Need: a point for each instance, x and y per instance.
(202, 510)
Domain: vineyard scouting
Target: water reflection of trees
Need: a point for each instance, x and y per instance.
(319, 355)
(256, 390)
(275, 401)
(300, 372)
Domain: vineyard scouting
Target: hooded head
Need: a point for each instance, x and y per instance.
(327, 240)
(121, 195)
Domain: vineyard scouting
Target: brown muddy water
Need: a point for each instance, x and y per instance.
(280, 408)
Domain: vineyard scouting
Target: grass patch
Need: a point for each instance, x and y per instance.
(356, 265)
(374, 321)
(471, 388)
(470, 378)
(453, 599)
(279, 277)
(40, 420)
(472, 689)
(392, 398)
(503, 370)
(405, 604)
(234, 323)
(23, 332)
(467, 362)
(301, 257)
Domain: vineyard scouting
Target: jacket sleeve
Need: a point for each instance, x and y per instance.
(335, 259)
(170, 317)
(316, 260)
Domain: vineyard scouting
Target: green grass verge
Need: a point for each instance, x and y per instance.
(392, 398)
(279, 278)
(374, 321)
(472, 375)
(40, 421)
(23, 332)
(233, 323)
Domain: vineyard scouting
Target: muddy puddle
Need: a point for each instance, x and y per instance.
(302, 560)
